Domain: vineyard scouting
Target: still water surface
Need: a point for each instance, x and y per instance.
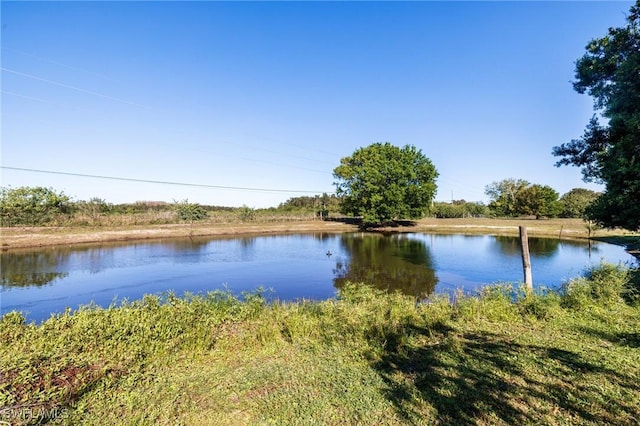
(310, 266)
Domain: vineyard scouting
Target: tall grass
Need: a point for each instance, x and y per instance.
(165, 217)
(504, 356)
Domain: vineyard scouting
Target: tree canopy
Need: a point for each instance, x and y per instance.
(539, 201)
(382, 183)
(576, 202)
(503, 195)
(609, 153)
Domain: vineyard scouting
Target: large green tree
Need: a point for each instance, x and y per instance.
(609, 153)
(539, 201)
(383, 183)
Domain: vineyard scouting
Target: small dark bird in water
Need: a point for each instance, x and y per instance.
(329, 253)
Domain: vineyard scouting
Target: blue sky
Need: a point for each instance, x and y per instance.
(271, 95)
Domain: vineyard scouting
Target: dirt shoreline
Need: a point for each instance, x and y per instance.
(35, 237)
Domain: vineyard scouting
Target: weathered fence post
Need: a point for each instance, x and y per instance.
(526, 260)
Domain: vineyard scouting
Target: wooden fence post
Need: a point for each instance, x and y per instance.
(526, 260)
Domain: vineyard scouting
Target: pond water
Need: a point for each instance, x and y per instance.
(309, 266)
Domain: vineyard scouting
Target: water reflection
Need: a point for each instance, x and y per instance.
(295, 266)
(31, 269)
(539, 247)
(197, 244)
(542, 247)
(389, 263)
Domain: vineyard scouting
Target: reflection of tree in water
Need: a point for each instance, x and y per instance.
(588, 247)
(182, 245)
(538, 247)
(30, 269)
(323, 236)
(247, 242)
(388, 263)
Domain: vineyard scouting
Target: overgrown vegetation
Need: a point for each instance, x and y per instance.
(190, 212)
(32, 205)
(321, 205)
(39, 206)
(501, 357)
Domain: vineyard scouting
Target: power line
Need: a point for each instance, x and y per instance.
(31, 98)
(71, 67)
(67, 86)
(238, 188)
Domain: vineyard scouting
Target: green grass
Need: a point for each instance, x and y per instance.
(501, 357)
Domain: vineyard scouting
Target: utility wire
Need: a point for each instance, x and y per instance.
(239, 188)
(67, 86)
(31, 98)
(71, 67)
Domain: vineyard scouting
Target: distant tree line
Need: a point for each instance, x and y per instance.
(41, 206)
(320, 205)
(459, 209)
(517, 197)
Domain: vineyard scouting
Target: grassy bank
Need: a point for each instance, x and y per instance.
(25, 237)
(366, 358)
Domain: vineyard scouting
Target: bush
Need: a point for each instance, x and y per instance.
(459, 209)
(190, 212)
(247, 214)
(94, 208)
(493, 302)
(32, 205)
(448, 211)
(542, 304)
(604, 284)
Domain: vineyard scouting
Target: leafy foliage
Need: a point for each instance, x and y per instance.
(503, 195)
(604, 285)
(247, 214)
(190, 212)
(517, 197)
(576, 202)
(609, 71)
(459, 209)
(382, 183)
(321, 205)
(32, 205)
(539, 201)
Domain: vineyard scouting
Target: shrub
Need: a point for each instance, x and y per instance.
(32, 205)
(542, 304)
(190, 212)
(247, 214)
(604, 284)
